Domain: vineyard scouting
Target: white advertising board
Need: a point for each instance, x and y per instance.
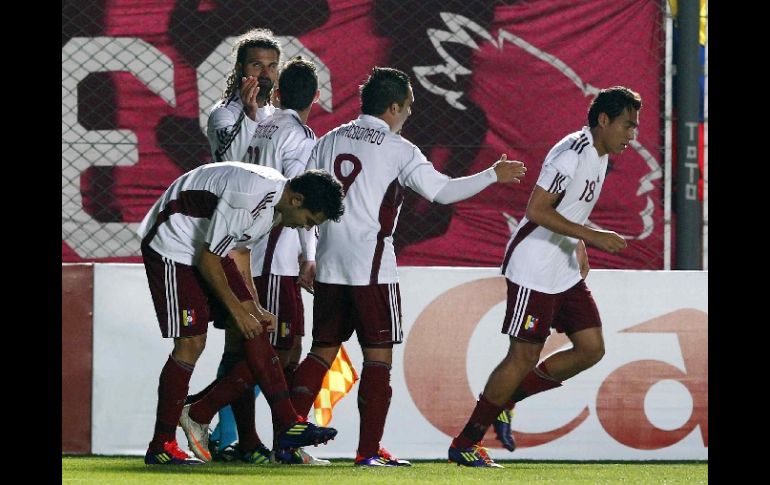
(647, 399)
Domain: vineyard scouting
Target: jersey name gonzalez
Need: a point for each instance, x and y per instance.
(283, 142)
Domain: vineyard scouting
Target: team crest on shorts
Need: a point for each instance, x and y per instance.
(530, 322)
(284, 329)
(188, 317)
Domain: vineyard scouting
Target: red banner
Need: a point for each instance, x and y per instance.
(488, 77)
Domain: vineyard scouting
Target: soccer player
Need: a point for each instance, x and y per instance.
(502, 424)
(186, 236)
(356, 287)
(231, 126)
(246, 99)
(543, 274)
(282, 141)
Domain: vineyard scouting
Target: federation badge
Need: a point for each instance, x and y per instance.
(530, 322)
(188, 317)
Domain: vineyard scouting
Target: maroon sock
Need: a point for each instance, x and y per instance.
(538, 380)
(228, 389)
(201, 394)
(266, 369)
(485, 412)
(243, 412)
(172, 389)
(307, 382)
(289, 370)
(373, 403)
(229, 359)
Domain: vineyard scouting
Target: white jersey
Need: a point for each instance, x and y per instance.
(283, 142)
(538, 258)
(374, 165)
(230, 131)
(218, 206)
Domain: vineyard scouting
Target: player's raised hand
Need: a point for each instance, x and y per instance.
(249, 92)
(509, 171)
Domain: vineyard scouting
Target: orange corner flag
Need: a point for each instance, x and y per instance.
(337, 382)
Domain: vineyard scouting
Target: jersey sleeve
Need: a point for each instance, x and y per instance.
(308, 240)
(558, 171)
(462, 188)
(296, 155)
(312, 162)
(419, 174)
(225, 227)
(229, 135)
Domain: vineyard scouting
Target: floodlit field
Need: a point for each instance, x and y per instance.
(127, 470)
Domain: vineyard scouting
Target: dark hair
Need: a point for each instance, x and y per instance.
(383, 87)
(298, 83)
(259, 38)
(322, 193)
(612, 101)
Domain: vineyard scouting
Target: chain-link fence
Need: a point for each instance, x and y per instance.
(489, 77)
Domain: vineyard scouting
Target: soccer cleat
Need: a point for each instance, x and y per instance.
(303, 433)
(376, 460)
(502, 425)
(225, 432)
(296, 456)
(475, 456)
(286, 456)
(197, 435)
(392, 459)
(484, 454)
(171, 455)
(214, 446)
(227, 454)
(309, 459)
(260, 456)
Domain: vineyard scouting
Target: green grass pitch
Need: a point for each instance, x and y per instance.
(103, 470)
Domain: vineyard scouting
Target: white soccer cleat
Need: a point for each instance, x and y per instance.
(197, 435)
(309, 459)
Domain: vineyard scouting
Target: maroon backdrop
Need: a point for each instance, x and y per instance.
(526, 73)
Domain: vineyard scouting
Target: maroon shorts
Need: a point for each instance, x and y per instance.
(280, 295)
(373, 311)
(530, 314)
(183, 301)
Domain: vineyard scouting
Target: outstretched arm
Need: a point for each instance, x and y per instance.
(503, 171)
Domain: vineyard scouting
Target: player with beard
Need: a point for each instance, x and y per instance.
(232, 122)
(282, 141)
(246, 99)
